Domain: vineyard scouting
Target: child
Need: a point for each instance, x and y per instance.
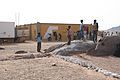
(39, 40)
(69, 35)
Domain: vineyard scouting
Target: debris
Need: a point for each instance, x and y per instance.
(76, 46)
(2, 48)
(54, 64)
(106, 47)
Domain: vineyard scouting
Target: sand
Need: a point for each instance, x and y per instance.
(43, 68)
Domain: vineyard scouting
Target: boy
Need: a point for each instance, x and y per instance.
(39, 40)
(81, 32)
(69, 35)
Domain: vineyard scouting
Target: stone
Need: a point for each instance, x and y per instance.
(116, 75)
(2, 48)
(54, 64)
(108, 73)
(21, 52)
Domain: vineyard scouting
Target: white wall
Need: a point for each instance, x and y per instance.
(49, 30)
(7, 30)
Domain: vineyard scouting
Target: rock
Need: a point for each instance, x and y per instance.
(97, 70)
(21, 52)
(116, 75)
(2, 48)
(54, 64)
(5, 69)
(108, 73)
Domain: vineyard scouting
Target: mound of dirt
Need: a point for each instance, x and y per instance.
(76, 46)
(107, 46)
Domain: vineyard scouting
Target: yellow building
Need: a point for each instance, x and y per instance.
(48, 28)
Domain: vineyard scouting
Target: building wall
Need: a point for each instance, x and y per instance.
(45, 28)
(23, 31)
(33, 32)
(60, 28)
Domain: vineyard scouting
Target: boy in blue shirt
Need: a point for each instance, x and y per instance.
(39, 40)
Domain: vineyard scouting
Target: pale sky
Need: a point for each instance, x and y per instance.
(106, 12)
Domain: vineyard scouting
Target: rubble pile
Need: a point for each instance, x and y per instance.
(107, 46)
(76, 46)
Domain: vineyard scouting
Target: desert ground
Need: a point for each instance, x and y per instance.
(51, 68)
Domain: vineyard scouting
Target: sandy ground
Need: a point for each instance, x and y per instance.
(42, 69)
(28, 46)
(109, 63)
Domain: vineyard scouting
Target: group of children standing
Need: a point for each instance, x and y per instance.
(84, 32)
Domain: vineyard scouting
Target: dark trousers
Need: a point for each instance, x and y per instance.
(69, 40)
(95, 36)
(90, 36)
(81, 35)
(38, 46)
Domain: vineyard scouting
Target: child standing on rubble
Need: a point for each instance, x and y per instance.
(95, 31)
(39, 40)
(69, 35)
(81, 32)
